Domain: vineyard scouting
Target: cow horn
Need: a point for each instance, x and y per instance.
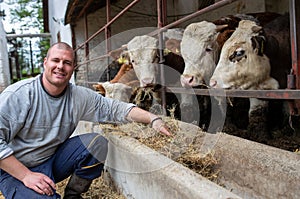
(221, 27)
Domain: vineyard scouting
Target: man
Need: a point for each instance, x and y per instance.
(37, 117)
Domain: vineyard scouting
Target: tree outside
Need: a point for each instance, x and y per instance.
(26, 53)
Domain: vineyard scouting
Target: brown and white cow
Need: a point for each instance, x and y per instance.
(202, 43)
(201, 46)
(256, 58)
(141, 53)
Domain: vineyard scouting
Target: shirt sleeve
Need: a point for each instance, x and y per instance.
(91, 106)
(12, 109)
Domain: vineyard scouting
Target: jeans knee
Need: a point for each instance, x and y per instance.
(98, 147)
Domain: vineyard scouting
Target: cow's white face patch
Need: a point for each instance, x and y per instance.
(240, 65)
(199, 50)
(117, 91)
(142, 52)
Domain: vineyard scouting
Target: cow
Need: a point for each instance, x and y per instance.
(200, 48)
(122, 86)
(140, 59)
(202, 43)
(258, 58)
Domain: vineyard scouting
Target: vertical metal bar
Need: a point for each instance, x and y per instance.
(86, 47)
(107, 36)
(161, 47)
(294, 31)
(294, 8)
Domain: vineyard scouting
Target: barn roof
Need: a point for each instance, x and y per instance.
(77, 8)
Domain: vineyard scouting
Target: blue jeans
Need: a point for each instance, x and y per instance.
(82, 155)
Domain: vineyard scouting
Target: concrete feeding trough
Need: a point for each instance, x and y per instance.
(247, 170)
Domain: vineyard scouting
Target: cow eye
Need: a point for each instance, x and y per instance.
(208, 49)
(237, 56)
(132, 61)
(240, 53)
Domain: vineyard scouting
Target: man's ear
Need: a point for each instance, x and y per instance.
(44, 63)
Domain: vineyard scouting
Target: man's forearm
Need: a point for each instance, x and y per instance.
(14, 167)
(139, 115)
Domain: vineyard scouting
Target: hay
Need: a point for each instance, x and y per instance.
(183, 147)
(100, 188)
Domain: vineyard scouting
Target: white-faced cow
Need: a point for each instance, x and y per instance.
(201, 46)
(142, 53)
(257, 58)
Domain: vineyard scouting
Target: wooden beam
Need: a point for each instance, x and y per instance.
(83, 10)
(71, 10)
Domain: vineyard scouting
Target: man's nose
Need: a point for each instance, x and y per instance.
(60, 65)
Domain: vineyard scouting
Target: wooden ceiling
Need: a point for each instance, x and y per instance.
(77, 8)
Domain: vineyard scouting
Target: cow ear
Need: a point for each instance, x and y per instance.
(258, 44)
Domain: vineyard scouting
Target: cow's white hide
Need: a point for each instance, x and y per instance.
(199, 50)
(118, 91)
(142, 51)
(240, 66)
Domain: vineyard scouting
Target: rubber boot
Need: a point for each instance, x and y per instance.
(76, 186)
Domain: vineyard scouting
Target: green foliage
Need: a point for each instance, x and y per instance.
(28, 17)
(27, 13)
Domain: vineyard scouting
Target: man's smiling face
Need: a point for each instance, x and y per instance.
(58, 68)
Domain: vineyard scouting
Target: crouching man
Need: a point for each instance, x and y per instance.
(38, 116)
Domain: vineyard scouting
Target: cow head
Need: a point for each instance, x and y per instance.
(118, 91)
(200, 50)
(142, 51)
(243, 64)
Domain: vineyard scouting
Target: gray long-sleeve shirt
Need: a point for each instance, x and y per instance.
(33, 123)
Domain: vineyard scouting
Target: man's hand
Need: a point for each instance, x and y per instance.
(39, 182)
(159, 125)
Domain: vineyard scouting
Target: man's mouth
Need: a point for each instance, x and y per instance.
(58, 74)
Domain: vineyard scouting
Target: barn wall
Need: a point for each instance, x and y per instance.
(139, 20)
(142, 19)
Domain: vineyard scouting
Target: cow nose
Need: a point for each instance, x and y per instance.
(187, 81)
(147, 82)
(213, 83)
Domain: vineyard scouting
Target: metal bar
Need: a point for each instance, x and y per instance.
(294, 29)
(265, 94)
(86, 46)
(160, 23)
(216, 5)
(107, 36)
(108, 24)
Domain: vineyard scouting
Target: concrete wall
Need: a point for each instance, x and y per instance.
(246, 169)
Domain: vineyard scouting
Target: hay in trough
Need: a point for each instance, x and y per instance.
(183, 147)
